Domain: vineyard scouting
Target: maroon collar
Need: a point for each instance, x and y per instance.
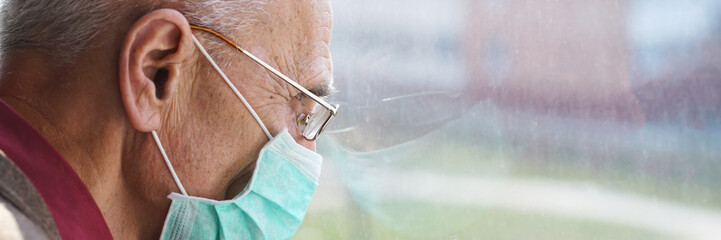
(74, 210)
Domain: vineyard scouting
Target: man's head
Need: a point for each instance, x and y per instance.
(112, 71)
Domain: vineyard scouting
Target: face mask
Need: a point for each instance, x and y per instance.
(272, 205)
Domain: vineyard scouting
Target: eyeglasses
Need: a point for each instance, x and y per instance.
(310, 125)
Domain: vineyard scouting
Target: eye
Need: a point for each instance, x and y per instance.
(298, 103)
(306, 104)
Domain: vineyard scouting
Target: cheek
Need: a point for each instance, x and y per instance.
(210, 145)
(281, 116)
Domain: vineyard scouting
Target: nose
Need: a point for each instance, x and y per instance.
(305, 143)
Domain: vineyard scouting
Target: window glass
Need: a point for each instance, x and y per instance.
(514, 119)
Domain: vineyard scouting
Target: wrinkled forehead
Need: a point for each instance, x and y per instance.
(303, 25)
(299, 31)
(287, 21)
(302, 17)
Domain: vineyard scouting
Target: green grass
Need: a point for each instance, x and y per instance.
(422, 221)
(685, 176)
(469, 160)
(685, 192)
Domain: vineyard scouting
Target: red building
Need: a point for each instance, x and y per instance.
(556, 57)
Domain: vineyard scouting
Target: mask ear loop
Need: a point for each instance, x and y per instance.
(235, 90)
(237, 93)
(167, 162)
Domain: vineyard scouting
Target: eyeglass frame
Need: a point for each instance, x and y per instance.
(332, 108)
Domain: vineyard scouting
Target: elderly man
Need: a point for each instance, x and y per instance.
(146, 119)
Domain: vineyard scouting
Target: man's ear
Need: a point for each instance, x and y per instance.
(156, 49)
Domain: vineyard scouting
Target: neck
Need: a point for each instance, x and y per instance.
(68, 117)
(79, 116)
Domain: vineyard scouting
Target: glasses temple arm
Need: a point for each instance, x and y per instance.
(291, 82)
(322, 102)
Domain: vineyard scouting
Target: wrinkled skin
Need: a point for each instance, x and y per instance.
(103, 130)
(215, 137)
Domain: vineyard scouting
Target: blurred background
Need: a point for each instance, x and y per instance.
(520, 119)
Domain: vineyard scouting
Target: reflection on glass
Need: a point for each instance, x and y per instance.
(511, 119)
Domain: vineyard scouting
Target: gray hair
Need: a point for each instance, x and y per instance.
(65, 28)
(228, 17)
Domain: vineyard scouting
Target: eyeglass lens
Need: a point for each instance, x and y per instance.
(317, 121)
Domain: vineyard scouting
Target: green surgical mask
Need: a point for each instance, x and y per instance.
(272, 205)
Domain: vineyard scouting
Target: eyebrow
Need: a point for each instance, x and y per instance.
(324, 89)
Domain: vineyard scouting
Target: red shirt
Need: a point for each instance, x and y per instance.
(74, 210)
